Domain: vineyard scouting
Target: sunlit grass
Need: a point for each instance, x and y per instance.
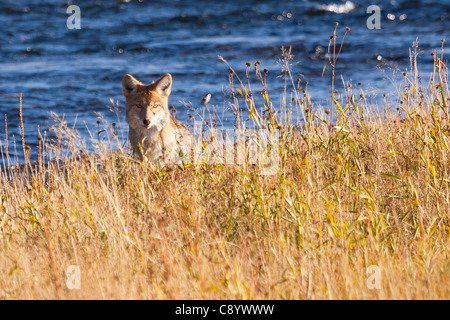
(366, 190)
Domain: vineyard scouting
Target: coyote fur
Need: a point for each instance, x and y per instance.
(153, 132)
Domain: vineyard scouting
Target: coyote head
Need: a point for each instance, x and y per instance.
(147, 105)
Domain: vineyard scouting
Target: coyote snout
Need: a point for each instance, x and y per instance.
(153, 131)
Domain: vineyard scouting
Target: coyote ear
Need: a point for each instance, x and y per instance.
(164, 85)
(129, 85)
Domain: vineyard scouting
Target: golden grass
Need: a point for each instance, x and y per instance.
(372, 191)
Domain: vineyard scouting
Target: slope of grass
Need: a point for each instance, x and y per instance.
(373, 190)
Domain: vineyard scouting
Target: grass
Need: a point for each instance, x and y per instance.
(370, 189)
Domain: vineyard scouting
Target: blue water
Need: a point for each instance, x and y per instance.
(75, 73)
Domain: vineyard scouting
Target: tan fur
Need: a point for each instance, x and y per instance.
(152, 129)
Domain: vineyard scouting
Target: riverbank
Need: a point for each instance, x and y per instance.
(360, 211)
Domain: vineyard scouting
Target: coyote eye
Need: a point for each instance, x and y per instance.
(156, 106)
(139, 106)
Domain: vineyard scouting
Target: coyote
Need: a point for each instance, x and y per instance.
(154, 133)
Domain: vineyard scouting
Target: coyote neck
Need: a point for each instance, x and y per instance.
(155, 142)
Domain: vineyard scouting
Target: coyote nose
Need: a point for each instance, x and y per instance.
(146, 122)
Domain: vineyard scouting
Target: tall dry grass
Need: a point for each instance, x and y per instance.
(373, 190)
